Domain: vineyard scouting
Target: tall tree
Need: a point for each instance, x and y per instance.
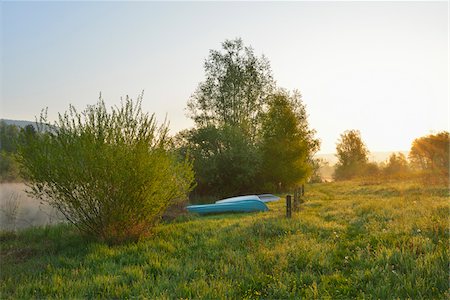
(352, 156)
(228, 108)
(235, 88)
(287, 143)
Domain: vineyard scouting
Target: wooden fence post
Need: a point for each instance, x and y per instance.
(288, 206)
(296, 199)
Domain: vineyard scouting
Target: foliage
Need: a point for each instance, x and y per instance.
(108, 172)
(352, 156)
(397, 166)
(9, 169)
(235, 89)
(232, 146)
(318, 165)
(431, 153)
(287, 144)
(226, 162)
(10, 135)
(347, 242)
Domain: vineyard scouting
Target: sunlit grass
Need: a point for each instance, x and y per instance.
(347, 241)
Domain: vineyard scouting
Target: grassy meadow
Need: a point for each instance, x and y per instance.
(349, 240)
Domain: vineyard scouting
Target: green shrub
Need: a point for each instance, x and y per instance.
(109, 172)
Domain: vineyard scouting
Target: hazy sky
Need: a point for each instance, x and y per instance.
(380, 67)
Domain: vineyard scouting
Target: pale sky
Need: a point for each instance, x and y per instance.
(380, 67)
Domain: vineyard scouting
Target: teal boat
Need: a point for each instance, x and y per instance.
(251, 205)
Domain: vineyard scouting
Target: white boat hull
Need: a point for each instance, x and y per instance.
(262, 197)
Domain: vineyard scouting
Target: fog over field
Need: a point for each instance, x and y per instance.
(18, 210)
(377, 157)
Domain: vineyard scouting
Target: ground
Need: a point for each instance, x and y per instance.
(349, 240)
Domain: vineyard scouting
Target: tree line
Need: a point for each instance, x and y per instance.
(428, 159)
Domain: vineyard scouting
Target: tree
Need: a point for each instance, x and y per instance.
(9, 136)
(226, 162)
(233, 148)
(396, 166)
(352, 156)
(287, 143)
(109, 172)
(227, 108)
(9, 170)
(235, 89)
(431, 153)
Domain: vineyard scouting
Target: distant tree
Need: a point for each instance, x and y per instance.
(235, 89)
(9, 169)
(29, 130)
(108, 171)
(352, 156)
(370, 170)
(287, 143)
(396, 166)
(9, 135)
(317, 165)
(431, 153)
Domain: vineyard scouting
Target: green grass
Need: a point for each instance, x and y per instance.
(347, 241)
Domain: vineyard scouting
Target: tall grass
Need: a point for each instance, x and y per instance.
(347, 241)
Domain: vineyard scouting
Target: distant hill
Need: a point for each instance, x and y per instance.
(18, 123)
(23, 124)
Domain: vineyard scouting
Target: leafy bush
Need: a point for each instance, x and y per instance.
(109, 172)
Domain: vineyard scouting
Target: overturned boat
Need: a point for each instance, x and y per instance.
(248, 203)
